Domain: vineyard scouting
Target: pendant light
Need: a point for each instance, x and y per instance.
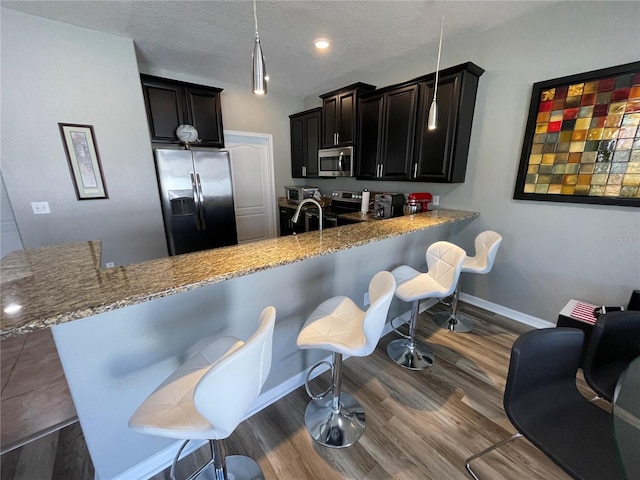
(259, 77)
(432, 123)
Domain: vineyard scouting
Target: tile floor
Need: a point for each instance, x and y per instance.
(35, 397)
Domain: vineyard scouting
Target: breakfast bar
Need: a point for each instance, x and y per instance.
(120, 331)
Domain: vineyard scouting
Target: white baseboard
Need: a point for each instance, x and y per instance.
(506, 312)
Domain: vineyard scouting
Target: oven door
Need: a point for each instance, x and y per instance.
(335, 162)
(311, 222)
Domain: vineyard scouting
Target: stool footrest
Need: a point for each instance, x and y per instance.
(238, 467)
(395, 329)
(306, 381)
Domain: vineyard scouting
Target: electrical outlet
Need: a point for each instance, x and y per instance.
(436, 200)
(40, 208)
(109, 265)
(366, 298)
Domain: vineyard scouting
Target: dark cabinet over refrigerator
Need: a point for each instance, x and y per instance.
(170, 103)
(196, 193)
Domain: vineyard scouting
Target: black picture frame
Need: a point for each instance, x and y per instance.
(84, 161)
(580, 145)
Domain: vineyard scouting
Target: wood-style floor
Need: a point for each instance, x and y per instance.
(420, 425)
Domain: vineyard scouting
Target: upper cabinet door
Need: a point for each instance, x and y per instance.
(305, 142)
(441, 154)
(434, 154)
(346, 118)
(170, 103)
(165, 110)
(312, 142)
(369, 137)
(340, 115)
(329, 116)
(400, 111)
(386, 133)
(203, 108)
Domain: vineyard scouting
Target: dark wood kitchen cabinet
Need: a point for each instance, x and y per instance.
(441, 154)
(386, 133)
(170, 103)
(340, 115)
(305, 142)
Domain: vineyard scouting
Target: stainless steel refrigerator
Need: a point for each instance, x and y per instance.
(197, 199)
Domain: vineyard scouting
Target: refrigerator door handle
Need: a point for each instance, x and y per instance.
(196, 199)
(201, 201)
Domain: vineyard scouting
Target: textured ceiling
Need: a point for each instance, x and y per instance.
(214, 39)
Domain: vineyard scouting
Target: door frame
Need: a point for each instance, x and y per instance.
(270, 180)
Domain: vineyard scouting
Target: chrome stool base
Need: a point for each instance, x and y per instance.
(335, 429)
(416, 357)
(454, 323)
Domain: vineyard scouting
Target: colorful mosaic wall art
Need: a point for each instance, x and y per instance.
(582, 142)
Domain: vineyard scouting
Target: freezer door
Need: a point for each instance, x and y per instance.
(180, 202)
(215, 189)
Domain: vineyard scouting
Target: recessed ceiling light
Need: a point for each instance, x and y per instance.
(321, 43)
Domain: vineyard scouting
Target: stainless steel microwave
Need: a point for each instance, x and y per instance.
(336, 162)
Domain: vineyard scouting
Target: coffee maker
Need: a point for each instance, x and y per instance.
(387, 205)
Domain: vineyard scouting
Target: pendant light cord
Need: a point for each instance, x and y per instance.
(255, 17)
(435, 90)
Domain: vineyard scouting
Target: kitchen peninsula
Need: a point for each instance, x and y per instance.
(121, 331)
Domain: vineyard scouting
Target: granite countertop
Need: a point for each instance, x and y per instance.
(62, 283)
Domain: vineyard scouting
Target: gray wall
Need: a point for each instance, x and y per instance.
(551, 251)
(53, 72)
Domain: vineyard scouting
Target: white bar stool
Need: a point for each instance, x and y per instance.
(487, 244)
(444, 262)
(340, 326)
(208, 396)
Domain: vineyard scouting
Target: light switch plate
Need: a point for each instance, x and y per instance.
(436, 200)
(40, 208)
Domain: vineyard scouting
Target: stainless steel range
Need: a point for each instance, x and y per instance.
(342, 201)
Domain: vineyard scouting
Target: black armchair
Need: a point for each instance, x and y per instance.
(614, 344)
(542, 401)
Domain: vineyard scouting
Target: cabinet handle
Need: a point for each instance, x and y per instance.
(337, 138)
(304, 171)
(415, 170)
(381, 168)
(377, 170)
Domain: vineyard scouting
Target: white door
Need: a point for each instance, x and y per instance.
(253, 184)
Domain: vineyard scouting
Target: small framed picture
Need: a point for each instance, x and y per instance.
(84, 162)
(582, 142)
